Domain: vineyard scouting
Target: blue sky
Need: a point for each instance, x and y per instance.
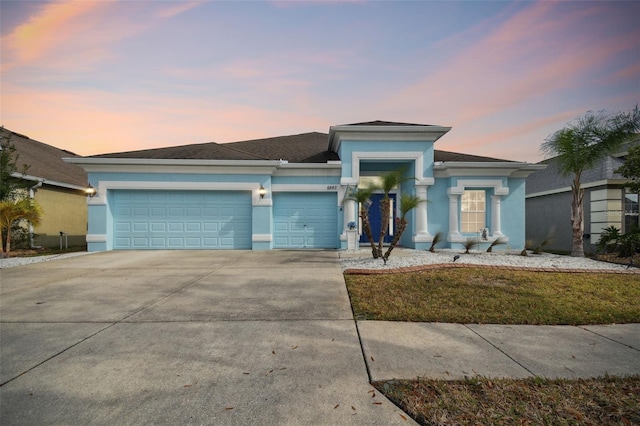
(100, 76)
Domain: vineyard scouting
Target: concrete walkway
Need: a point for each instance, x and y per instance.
(162, 337)
(197, 337)
(403, 350)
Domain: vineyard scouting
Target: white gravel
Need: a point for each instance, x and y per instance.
(19, 261)
(400, 258)
(362, 259)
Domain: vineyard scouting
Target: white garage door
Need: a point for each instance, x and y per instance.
(182, 219)
(305, 220)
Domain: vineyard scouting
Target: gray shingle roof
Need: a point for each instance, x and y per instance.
(385, 123)
(447, 156)
(45, 161)
(302, 148)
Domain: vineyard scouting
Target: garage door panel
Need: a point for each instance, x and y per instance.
(182, 219)
(303, 220)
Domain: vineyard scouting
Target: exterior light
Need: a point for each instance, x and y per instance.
(262, 191)
(90, 191)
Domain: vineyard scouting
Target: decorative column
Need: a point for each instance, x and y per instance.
(421, 230)
(496, 229)
(454, 231)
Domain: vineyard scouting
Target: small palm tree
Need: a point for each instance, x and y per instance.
(12, 211)
(362, 197)
(407, 203)
(436, 240)
(579, 146)
(470, 243)
(390, 181)
(498, 241)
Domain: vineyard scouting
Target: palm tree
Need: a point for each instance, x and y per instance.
(362, 197)
(579, 146)
(389, 181)
(407, 203)
(12, 211)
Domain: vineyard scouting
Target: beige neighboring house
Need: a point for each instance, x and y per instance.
(58, 187)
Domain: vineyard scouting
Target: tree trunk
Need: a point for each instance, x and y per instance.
(384, 207)
(8, 245)
(401, 225)
(577, 218)
(366, 227)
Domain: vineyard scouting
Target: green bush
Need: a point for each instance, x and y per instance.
(609, 240)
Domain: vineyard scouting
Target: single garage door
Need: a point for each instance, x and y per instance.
(182, 219)
(305, 220)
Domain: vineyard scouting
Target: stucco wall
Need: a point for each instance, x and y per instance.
(63, 210)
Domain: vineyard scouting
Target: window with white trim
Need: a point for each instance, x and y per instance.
(631, 213)
(473, 209)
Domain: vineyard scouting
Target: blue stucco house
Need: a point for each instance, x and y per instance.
(292, 191)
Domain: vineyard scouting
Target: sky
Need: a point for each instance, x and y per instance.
(95, 77)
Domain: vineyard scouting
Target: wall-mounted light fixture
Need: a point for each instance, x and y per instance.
(262, 191)
(90, 191)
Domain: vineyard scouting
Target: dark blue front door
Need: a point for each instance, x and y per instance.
(375, 218)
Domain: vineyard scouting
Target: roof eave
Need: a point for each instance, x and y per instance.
(488, 168)
(46, 181)
(414, 132)
(90, 161)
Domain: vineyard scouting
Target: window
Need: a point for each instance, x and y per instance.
(473, 209)
(630, 210)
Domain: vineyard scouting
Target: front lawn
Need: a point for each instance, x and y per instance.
(535, 401)
(496, 296)
(476, 295)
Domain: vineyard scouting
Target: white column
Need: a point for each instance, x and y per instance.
(453, 216)
(349, 214)
(495, 216)
(422, 231)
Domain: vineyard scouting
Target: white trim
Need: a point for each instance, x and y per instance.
(399, 132)
(357, 156)
(587, 185)
(85, 161)
(308, 187)
(443, 169)
(96, 238)
(104, 186)
(47, 181)
(261, 238)
(462, 184)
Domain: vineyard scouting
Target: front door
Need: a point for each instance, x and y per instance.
(375, 218)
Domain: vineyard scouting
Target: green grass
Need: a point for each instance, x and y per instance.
(475, 295)
(535, 401)
(495, 296)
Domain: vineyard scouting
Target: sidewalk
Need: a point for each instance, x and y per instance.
(401, 350)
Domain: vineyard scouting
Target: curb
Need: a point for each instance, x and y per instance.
(437, 266)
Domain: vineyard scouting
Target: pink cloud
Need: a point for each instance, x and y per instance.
(95, 122)
(56, 24)
(182, 7)
(514, 64)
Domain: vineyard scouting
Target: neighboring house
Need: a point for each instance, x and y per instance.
(59, 188)
(293, 191)
(606, 203)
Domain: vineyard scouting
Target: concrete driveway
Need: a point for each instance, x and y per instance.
(183, 337)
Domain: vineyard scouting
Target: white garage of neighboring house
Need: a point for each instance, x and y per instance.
(292, 191)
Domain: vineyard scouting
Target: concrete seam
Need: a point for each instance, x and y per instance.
(109, 326)
(499, 350)
(610, 339)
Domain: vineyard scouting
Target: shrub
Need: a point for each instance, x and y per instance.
(609, 240)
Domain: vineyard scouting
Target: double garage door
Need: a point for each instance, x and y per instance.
(182, 219)
(219, 220)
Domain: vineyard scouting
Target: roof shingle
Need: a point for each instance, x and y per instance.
(45, 161)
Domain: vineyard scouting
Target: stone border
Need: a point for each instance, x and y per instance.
(470, 265)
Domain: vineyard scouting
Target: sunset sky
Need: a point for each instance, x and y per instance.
(99, 76)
